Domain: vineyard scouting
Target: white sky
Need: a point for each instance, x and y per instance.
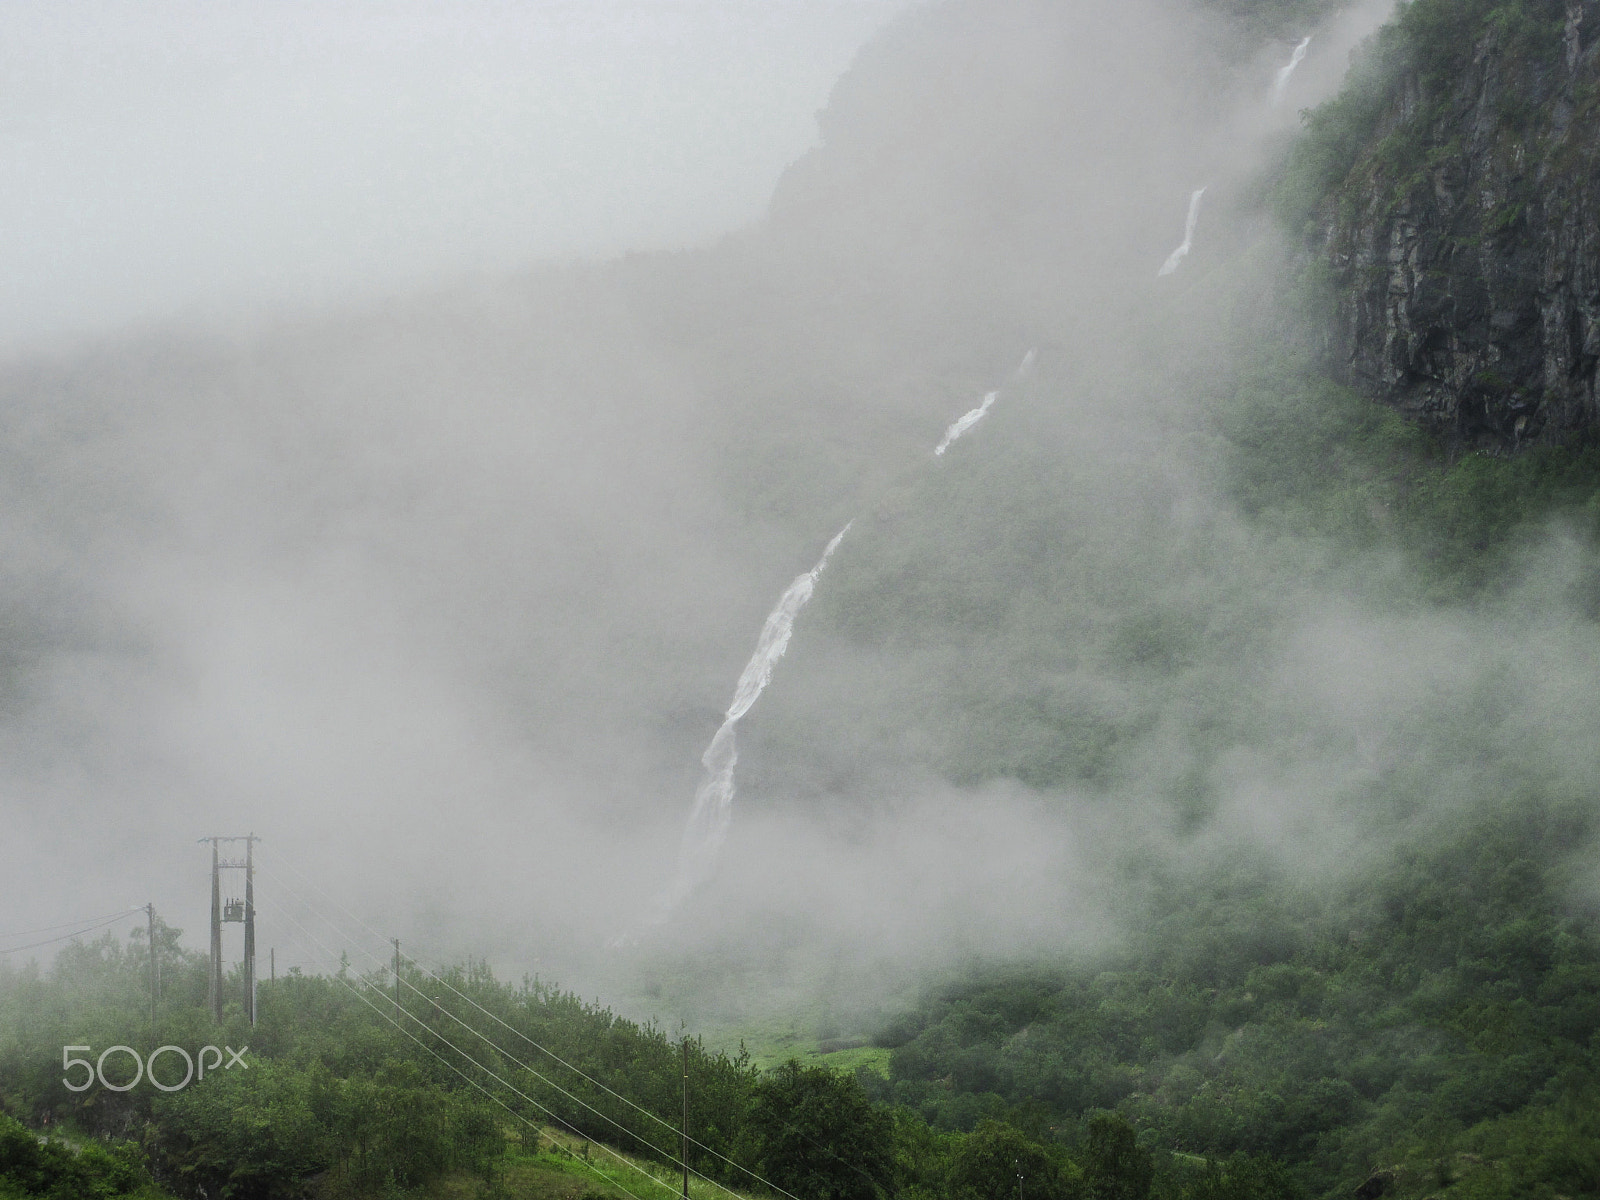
(167, 158)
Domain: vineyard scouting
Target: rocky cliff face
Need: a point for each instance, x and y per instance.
(1465, 241)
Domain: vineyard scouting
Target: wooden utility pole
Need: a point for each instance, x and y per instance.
(150, 912)
(396, 942)
(683, 1134)
(250, 927)
(216, 933)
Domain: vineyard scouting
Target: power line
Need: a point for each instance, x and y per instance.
(613, 1122)
(646, 1112)
(519, 1116)
(542, 1108)
(75, 933)
(542, 1049)
(380, 1011)
(6, 937)
(831, 1153)
(504, 1053)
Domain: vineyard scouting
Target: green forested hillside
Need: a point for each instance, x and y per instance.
(336, 1101)
(1357, 919)
(1263, 717)
(1432, 1026)
(1411, 1002)
(1437, 1020)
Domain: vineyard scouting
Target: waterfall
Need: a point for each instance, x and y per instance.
(1177, 256)
(774, 639)
(963, 423)
(712, 814)
(1284, 72)
(970, 418)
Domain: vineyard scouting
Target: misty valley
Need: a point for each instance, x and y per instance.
(1058, 663)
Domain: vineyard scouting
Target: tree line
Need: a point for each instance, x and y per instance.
(336, 1102)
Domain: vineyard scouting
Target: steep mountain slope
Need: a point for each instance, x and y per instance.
(1461, 216)
(1186, 673)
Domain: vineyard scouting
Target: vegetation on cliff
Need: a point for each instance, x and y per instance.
(1452, 189)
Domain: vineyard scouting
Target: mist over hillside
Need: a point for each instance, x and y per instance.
(1175, 731)
(173, 161)
(446, 596)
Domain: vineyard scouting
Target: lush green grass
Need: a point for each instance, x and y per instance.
(567, 1168)
(334, 1101)
(774, 1041)
(562, 1166)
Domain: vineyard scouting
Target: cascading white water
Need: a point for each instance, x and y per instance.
(774, 639)
(970, 418)
(963, 423)
(1177, 256)
(1295, 60)
(712, 813)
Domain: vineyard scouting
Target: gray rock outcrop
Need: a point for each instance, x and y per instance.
(1465, 243)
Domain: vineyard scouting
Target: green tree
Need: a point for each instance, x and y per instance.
(29, 1167)
(478, 1141)
(817, 1135)
(1245, 1178)
(1114, 1164)
(998, 1163)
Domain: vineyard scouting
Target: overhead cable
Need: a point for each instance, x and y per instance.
(542, 1049)
(508, 1086)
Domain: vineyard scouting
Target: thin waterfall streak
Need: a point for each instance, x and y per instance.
(1178, 255)
(712, 815)
(963, 423)
(775, 633)
(1282, 80)
(968, 419)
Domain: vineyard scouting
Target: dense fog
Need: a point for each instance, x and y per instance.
(445, 595)
(190, 161)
